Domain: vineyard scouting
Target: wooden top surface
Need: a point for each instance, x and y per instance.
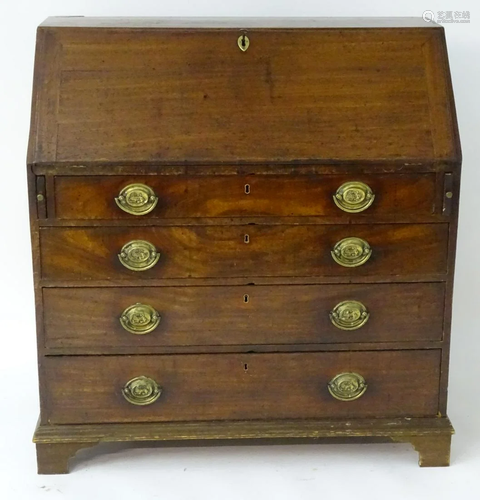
(169, 96)
(238, 22)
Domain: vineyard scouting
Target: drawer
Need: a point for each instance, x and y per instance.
(242, 251)
(230, 315)
(91, 389)
(172, 196)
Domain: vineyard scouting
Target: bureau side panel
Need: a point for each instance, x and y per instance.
(35, 209)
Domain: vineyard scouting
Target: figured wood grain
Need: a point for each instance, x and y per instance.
(168, 95)
(211, 251)
(219, 315)
(242, 386)
(242, 196)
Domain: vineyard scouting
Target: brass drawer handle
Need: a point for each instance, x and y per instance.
(351, 252)
(347, 386)
(349, 315)
(137, 199)
(138, 255)
(353, 197)
(141, 391)
(140, 319)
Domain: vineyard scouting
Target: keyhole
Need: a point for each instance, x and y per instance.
(246, 239)
(246, 298)
(243, 42)
(247, 188)
(245, 367)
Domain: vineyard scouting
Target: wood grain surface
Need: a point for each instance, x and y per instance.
(186, 95)
(221, 251)
(56, 444)
(220, 315)
(245, 151)
(93, 197)
(242, 386)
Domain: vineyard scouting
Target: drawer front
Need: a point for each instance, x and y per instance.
(240, 251)
(232, 386)
(174, 196)
(254, 315)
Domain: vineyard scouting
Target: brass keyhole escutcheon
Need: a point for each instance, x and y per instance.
(243, 42)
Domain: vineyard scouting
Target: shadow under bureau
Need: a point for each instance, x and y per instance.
(243, 230)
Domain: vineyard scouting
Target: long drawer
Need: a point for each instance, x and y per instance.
(241, 386)
(242, 251)
(98, 197)
(228, 315)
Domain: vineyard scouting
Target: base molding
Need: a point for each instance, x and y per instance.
(430, 437)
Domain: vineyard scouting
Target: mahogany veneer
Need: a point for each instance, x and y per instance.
(243, 230)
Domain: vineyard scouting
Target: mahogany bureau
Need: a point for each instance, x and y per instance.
(243, 230)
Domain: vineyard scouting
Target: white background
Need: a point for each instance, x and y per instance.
(285, 472)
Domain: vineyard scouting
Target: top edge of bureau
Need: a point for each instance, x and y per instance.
(310, 166)
(237, 22)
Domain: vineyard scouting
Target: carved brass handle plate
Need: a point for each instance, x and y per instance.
(138, 255)
(347, 386)
(141, 391)
(140, 319)
(353, 197)
(349, 315)
(137, 199)
(351, 252)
